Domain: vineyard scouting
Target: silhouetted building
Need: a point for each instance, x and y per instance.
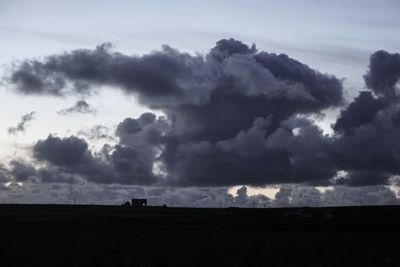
(139, 202)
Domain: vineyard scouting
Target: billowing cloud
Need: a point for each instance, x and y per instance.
(233, 116)
(294, 152)
(367, 131)
(21, 126)
(361, 111)
(149, 151)
(71, 156)
(169, 78)
(384, 74)
(80, 107)
(70, 151)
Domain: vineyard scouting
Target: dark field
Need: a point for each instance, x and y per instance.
(66, 235)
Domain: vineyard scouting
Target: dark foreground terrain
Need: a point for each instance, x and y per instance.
(74, 235)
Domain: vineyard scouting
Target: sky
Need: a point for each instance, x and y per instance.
(169, 100)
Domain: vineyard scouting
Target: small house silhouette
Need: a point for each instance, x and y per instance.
(139, 202)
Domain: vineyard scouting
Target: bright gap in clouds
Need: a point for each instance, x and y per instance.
(268, 191)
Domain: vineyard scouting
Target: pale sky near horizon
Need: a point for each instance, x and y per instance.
(334, 37)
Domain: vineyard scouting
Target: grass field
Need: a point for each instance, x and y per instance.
(75, 235)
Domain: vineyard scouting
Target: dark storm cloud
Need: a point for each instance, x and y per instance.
(21, 126)
(361, 111)
(157, 78)
(233, 116)
(68, 151)
(133, 165)
(80, 107)
(368, 139)
(137, 151)
(168, 78)
(364, 178)
(294, 152)
(131, 126)
(227, 47)
(367, 142)
(71, 156)
(149, 152)
(262, 85)
(325, 89)
(384, 74)
(215, 105)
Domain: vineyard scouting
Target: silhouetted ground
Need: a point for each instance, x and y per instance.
(74, 235)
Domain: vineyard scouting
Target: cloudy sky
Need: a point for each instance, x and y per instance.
(200, 103)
